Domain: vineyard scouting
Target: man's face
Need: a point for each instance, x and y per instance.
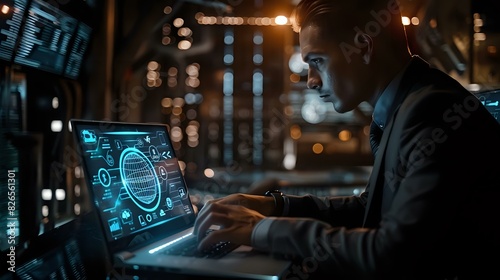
(337, 80)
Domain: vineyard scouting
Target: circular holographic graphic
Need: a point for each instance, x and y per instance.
(140, 179)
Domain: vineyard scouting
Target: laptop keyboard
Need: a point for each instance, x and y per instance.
(189, 248)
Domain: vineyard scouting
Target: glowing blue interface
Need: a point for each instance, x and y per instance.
(491, 100)
(135, 177)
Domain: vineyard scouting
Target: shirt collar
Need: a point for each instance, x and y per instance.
(384, 105)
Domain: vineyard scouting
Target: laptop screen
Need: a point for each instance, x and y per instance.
(133, 177)
(491, 100)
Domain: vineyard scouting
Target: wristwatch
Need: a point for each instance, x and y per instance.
(278, 202)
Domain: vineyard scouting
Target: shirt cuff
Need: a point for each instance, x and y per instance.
(260, 234)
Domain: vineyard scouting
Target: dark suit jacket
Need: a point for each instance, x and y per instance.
(430, 209)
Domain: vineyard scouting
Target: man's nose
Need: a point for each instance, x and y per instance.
(313, 80)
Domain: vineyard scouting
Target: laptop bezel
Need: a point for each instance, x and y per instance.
(140, 238)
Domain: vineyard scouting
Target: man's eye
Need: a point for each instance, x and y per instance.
(316, 61)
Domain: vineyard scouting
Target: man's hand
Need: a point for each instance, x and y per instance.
(236, 215)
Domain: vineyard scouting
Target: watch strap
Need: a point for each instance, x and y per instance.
(278, 202)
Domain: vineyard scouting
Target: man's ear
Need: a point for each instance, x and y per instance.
(367, 51)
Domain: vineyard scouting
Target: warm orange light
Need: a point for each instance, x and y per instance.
(209, 172)
(433, 23)
(345, 135)
(166, 102)
(317, 148)
(405, 20)
(5, 9)
(281, 20)
(295, 132)
(260, 21)
(153, 65)
(184, 45)
(178, 22)
(294, 78)
(491, 49)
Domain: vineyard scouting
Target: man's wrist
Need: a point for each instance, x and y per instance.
(278, 202)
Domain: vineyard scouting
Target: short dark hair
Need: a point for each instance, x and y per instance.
(328, 12)
(307, 11)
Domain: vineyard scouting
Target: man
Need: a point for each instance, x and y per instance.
(429, 209)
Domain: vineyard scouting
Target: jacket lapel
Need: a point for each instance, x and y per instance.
(373, 207)
(376, 182)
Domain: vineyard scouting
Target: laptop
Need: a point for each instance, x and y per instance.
(491, 100)
(143, 204)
